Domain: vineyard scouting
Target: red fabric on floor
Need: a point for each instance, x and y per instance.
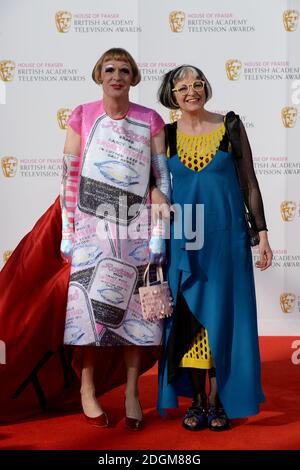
(277, 426)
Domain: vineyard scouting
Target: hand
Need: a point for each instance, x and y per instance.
(157, 250)
(160, 206)
(265, 252)
(66, 248)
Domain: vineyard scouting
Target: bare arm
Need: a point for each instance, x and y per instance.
(72, 142)
(158, 143)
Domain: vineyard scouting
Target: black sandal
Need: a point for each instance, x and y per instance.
(215, 412)
(199, 413)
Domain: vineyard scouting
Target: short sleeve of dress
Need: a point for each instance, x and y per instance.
(75, 120)
(156, 123)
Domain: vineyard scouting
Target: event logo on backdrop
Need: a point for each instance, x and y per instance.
(233, 69)
(35, 72)
(255, 70)
(176, 21)
(287, 302)
(209, 22)
(89, 22)
(275, 166)
(40, 167)
(7, 70)
(174, 114)
(63, 115)
(288, 210)
(290, 20)
(9, 166)
(153, 71)
(63, 21)
(31, 167)
(289, 116)
(6, 255)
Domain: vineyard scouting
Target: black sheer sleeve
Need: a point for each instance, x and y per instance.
(248, 182)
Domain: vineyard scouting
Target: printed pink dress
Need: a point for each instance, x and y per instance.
(111, 221)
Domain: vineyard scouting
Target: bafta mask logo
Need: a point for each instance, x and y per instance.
(233, 69)
(63, 20)
(63, 115)
(6, 255)
(177, 20)
(290, 20)
(289, 116)
(7, 70)
(9, 166)
(288, 210)
(287, 302)
(175, 114)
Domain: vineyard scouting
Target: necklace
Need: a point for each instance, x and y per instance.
(196, 151)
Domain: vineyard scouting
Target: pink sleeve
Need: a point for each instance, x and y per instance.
(156, 123)
(75, 119)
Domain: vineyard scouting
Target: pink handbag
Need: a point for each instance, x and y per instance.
(156, 300)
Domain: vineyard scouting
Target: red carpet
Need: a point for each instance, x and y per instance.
(276, 427)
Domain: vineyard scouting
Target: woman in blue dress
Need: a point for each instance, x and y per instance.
(210, 272)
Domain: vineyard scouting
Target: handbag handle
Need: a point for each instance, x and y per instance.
(159, 275)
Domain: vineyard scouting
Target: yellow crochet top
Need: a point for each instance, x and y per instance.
(196, 151)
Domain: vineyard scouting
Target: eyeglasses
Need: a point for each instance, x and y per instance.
(197, 86)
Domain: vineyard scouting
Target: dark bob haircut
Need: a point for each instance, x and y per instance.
(165, 94)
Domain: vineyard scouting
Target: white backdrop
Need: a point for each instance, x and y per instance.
(45, 71)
